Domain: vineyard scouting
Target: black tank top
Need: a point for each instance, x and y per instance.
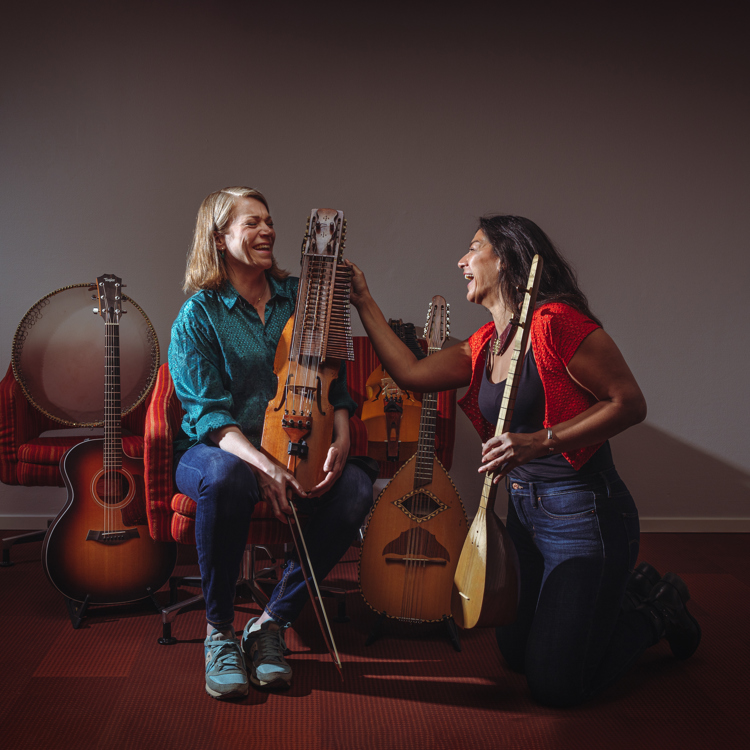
(528, 416)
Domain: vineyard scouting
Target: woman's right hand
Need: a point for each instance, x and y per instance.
(359, 289)
(277, 486)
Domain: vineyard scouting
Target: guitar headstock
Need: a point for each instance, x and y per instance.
(325, 233)
(437, 327)
(109, 295)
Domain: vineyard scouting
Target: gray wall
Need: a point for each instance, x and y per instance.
(623, 134)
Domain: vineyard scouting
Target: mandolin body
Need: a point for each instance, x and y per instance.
(102, 549)
(411, 546)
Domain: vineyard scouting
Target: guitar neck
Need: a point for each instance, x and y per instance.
(112, 398)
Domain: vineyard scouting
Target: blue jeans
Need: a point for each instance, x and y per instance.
(225, 491)
(577, 542)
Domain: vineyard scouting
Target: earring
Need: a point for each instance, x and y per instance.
(221, 253)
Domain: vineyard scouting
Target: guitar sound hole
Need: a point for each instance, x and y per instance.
(420, 505)
(112, 488)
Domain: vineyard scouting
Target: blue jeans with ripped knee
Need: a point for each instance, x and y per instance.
(577, 542)
(225, 491)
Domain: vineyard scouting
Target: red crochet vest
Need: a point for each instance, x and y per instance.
(557, 331)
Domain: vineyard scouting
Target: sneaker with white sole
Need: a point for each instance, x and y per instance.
(226, 675)
(264, 649)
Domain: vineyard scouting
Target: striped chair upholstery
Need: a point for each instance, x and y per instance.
(30, 460)
(171, 514)
(358, 371)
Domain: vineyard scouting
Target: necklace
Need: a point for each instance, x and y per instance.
(500, 343)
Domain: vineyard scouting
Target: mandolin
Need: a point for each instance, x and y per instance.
(487, 577)
(390, 414)
(99, 550)
(414, 534)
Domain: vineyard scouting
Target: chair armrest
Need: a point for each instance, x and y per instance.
(162, 421)
(20, 422)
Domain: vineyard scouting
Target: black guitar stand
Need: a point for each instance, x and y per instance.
(450, 630)
(77, 611)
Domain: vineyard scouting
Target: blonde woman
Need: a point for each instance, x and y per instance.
(221, 358)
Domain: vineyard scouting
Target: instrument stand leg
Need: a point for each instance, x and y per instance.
(450, 626)
(77, 614)
(376, 631)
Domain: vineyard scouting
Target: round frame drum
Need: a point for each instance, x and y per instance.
(58, 356)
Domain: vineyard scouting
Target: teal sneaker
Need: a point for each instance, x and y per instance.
(226, 675)
(264, 649)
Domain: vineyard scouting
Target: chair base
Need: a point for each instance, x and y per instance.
(251, 578)
(8, 542)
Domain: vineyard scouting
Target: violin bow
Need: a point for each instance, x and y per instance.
(327, 636)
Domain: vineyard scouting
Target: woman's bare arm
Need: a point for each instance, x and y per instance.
(443, 370)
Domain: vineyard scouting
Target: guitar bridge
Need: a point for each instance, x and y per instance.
(112, 537)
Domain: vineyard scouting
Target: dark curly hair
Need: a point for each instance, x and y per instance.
(516, 241)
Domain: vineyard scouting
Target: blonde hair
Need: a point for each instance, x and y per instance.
(206, 269)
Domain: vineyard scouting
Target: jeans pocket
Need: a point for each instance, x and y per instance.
(566, 505)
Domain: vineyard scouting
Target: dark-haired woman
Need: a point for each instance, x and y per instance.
(585, 614)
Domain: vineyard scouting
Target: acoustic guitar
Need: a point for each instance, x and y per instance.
(414, 534)
(98, 550)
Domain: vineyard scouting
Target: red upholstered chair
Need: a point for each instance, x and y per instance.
(30, 458)
(172, 515)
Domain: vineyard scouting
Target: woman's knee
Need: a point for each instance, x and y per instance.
(355, 490)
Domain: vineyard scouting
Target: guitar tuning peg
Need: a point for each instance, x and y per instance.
(95, 310)
(92, 288)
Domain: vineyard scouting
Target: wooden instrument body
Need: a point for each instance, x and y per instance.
(275, 440)
(124, 564)
(381, 393)
(487, 575)
(99, 548)
(407, 563)
(299, 420)
(417, 527)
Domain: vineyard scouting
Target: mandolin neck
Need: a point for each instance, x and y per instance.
(426, 445)
(112, 399)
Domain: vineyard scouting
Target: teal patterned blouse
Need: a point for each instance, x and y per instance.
(221, 360)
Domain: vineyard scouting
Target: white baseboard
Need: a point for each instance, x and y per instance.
(696, 525)
(27, 523)
(692, 525)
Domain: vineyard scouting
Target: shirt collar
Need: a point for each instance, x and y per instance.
(230, 295)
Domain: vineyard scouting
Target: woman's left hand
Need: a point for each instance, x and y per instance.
(502, 453)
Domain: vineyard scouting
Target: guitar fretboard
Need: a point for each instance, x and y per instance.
(112, 401)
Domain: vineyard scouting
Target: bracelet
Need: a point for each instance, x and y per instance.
(551, 438)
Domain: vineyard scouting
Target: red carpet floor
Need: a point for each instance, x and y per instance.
(110, 685)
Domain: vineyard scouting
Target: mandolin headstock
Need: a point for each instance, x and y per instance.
(437, 327)
(325, 234)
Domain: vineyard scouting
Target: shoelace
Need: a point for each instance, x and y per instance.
(271, 645)
(223, 655)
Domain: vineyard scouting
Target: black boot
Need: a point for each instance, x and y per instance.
(641, 583)
(666, 609)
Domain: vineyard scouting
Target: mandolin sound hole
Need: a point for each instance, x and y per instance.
(420, 505)
(111, 488)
